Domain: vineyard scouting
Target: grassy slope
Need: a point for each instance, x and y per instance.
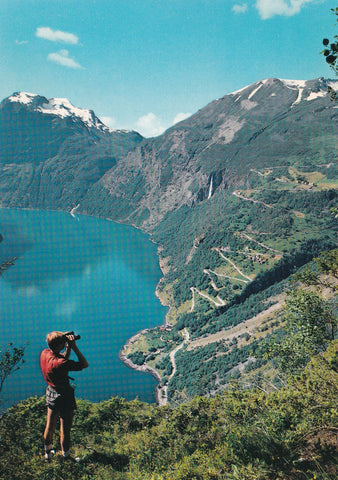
(242, 434)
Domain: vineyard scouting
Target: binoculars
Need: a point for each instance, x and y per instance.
(76, 337)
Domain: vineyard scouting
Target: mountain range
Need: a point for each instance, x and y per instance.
(51, 152)
(237, 197)
(271, 123)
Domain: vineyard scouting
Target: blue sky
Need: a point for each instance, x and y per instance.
(144, 64)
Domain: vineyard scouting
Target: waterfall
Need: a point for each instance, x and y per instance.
(210, 188)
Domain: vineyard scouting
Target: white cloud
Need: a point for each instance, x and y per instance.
(109, 121)
(62, 58)
(56, 35)
(66, 309)
(269, 8)
(21, 42)
(149, 125)
(240, 8)
(29, 291)
(181, 116)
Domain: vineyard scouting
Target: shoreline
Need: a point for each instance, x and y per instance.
(160, 391)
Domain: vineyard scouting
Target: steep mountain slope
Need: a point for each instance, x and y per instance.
(272, 123)
(237, 197)
(50, 151)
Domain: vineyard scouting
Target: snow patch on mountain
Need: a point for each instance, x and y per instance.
(299, 97)
(255, 91)
(314, 95)
(22, 97)
(240, 90)
(333, 84)
(294, 83)
(61, 107)
(303, 86)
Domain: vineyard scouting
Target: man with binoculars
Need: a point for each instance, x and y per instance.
(60, 397)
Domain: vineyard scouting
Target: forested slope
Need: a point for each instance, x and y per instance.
(231, 267)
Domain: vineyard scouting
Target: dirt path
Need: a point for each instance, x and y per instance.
(303, 166)
(232, 263)
(220, 302)
(225, 276)
(186, 337)
(259, 243)
(248, 326)
(258, 173)
(238, 195)
(193, 300)
(212, 283)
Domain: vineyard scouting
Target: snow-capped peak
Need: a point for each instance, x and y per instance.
(306, 90)
(63, 108)
(310, 90)
(294, 83)
(60, 107)
(22, 97)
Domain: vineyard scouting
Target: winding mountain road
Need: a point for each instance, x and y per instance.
(162, 392)
(233, 264)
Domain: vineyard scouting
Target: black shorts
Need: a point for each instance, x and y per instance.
(62, 400)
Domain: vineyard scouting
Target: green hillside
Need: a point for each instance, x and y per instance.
(226, 265)
(288, 433)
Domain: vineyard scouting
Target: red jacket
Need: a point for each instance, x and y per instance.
(55, 368)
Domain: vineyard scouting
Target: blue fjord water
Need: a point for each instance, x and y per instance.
(83, 274)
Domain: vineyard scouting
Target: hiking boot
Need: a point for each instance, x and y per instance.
(49, 455)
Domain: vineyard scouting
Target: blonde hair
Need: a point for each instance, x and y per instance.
(55, 340)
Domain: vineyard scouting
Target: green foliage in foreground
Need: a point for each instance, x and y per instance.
(310, 324)
(311, 319)
(242, 434)
(11, 359)
(331, 52)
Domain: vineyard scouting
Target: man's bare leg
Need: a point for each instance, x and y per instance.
(66, 422)
(52, 418)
